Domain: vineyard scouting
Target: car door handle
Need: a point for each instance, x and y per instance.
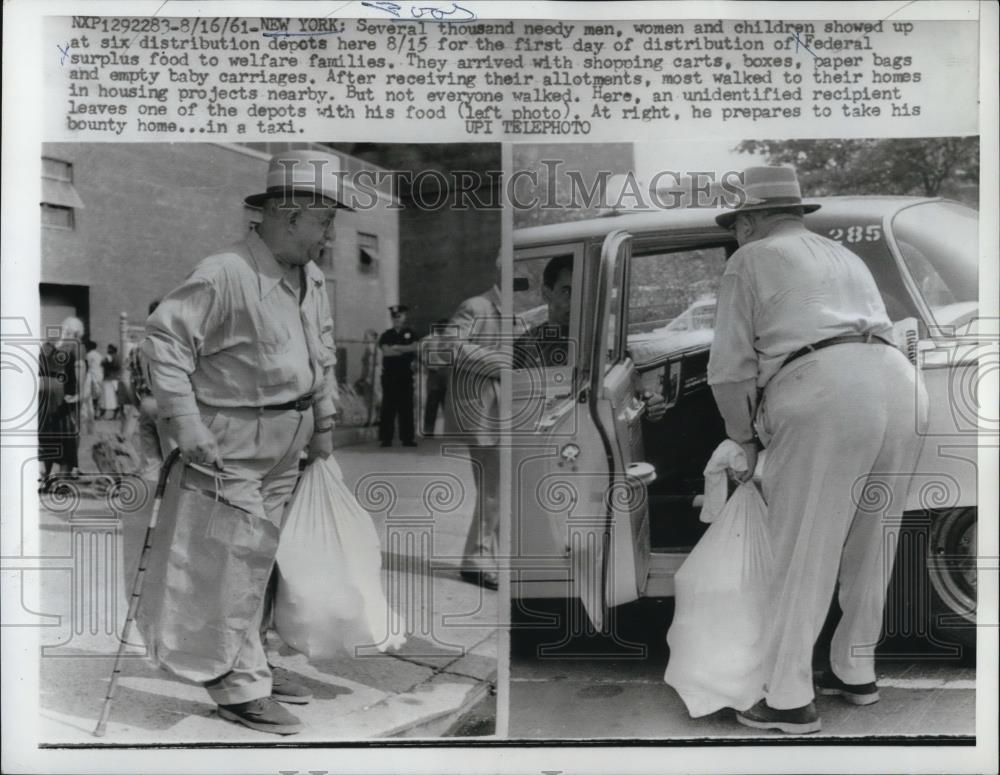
(632, 412)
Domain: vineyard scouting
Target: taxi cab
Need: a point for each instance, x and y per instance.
(605, 503)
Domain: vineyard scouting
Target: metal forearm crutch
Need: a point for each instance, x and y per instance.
(133, 603)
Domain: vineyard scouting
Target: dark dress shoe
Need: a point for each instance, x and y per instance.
(856, 694)
(263, 715)
(792, 721)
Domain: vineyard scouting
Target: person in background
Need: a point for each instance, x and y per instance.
(547, 344)
(472, 414)
(802, 358)
(111, 366)
(364, 384)
(61, 375)
(95, 375)
(142, 412)
(241, 363)
(436, 386)
(399, 352)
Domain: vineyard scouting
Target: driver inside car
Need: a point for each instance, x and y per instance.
(548, 343)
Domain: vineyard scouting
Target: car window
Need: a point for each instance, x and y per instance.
(939, 243)
(528, 301)
(671, 303)
(932, 287)
(544, 299)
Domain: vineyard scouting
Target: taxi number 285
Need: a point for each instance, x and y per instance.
(857, 233)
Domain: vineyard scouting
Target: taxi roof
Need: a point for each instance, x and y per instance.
(845, 208)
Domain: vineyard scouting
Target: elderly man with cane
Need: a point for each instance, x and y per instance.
(240, 359)
(803, 346)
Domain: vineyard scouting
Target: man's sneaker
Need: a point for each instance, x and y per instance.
(263, 715)
(856, 694)
(793, 721)
(284, 688)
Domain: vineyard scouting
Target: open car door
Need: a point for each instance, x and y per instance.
(612, 570)
(578, 495)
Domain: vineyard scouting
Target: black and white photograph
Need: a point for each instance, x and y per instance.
(235, 358)
(726, 521)
(500, 387)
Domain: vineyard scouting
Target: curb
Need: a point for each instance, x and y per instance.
(440, 724)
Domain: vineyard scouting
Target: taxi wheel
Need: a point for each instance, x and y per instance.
(951, 569)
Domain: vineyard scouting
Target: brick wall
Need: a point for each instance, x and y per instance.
(446, 255)
(152, 211)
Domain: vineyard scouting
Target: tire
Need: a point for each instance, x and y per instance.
(951, 570)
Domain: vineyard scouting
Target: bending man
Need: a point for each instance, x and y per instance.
(801, 323)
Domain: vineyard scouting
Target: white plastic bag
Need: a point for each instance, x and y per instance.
(727, 455)
(329, 596)
(718, 634)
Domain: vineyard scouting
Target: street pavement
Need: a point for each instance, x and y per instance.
(421, 502)
(563, 685)
(566, 686)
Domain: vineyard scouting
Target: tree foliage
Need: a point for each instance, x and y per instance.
(902, 167)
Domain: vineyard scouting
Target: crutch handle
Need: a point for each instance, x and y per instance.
(168, 463)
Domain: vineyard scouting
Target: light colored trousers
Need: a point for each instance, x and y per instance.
(835, 422)
(483, 538)
(260, 450)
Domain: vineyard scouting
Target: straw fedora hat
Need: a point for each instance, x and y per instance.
(312, 173)
(767, 188)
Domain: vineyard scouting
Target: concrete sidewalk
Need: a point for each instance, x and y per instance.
(566, 684)
(420, 501)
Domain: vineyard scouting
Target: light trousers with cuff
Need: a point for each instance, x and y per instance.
(483, 539)
(842, 429)
(260, 450)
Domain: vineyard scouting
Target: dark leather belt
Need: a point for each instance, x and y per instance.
(868, 338)
(299, 405)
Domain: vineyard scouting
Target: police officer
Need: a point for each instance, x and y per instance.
(399, 351)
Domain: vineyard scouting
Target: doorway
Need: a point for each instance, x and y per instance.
(59, 302)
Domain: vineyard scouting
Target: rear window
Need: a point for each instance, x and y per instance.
(939, 243)
(864, 237)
